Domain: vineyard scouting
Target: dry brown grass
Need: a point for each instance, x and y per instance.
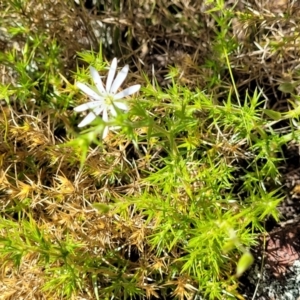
(45, 181)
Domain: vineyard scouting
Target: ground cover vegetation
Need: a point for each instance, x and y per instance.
(169, 202)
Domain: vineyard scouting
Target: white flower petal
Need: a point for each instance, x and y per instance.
(121, 105)
(90, 117)
(112, 111)
(105, 115)
(119, 79)
(105, 132)
(129, 91)
(87, 90)
(98, 110)
(115, 127)
(97, 79)
(89, 105)
(111, 74)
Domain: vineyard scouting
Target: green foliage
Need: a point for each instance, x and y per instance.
(173, 201)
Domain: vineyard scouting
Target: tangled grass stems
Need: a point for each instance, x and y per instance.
(170, 205)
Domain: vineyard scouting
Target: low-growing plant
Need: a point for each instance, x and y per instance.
(161, 194)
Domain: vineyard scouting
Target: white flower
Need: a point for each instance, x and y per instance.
(105, 100)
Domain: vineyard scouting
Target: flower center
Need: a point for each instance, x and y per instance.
(109, 100)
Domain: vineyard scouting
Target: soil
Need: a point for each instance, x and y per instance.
(276, 272)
